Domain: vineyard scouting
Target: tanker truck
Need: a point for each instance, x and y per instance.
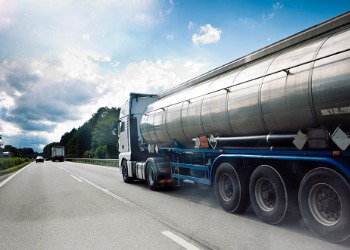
(270, 129)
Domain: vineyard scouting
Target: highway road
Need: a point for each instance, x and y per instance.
(78, 206)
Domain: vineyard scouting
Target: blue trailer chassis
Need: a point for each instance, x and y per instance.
(340, 160)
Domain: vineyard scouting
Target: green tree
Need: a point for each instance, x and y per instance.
(102, 134)
(101, 152)
(83, 141)
(27, 152)
(93, 139)
(13, 150)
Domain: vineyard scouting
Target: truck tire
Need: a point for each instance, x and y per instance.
(230, 188)
(324, 203)
(152, 175)
(125, 175)
(268, 194)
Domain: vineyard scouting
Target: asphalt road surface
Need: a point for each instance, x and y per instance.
(78, 206)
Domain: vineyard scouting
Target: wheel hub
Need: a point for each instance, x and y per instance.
(226, 187)
(265, 194)
(325, 204)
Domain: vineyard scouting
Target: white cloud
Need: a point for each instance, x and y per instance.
(191, 25)
(170, 37)
(251, 23)
(145, 77)
(7, 128)
(86, 37)
(6, 101)
(195, 67)
(7, 10)
(74, 59)
(5, 21)
(79, 90)
(207, 34)
(168, 10)
(275, 7)
(145, 18)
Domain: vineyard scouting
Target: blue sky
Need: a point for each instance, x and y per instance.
(60, 60)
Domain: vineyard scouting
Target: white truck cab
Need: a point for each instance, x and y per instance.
(132, 147)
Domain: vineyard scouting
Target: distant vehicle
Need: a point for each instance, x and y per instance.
(39, 159)
(57, 153)
(7, 154)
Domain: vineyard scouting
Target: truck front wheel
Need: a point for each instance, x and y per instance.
(230, 188)
(325, 204)
(125, 174)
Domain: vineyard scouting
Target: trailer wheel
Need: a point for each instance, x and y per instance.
(151, 175)
(325, 204)
(230, 188)
(126, 177)
(268, 194)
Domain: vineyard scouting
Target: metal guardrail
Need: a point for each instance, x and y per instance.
(104, 162)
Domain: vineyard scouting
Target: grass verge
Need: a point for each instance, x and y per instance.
(13, 169)
(98, 163)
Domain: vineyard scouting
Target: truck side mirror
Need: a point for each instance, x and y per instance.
(115, 127)
(121, 126)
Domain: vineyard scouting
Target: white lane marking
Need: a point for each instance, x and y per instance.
(9, 178)
(169, 234)
(110, 193)
(180, 241)
(76, 178)
(105, 190)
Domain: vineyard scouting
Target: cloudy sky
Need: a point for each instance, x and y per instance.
(60, 60)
